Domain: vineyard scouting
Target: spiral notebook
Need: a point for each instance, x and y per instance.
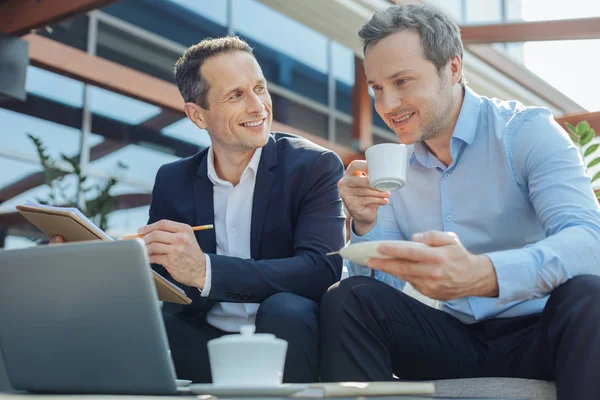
(71, 224)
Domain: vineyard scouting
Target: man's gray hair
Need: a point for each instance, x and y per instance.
(192, 85)
(440, 36)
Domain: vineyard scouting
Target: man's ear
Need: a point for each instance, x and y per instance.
(196, 114)
(455, 69)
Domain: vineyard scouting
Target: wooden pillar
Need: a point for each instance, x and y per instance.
(362, 108)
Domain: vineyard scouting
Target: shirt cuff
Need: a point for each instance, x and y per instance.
(207, 281)
(374, 234)
(516, 273)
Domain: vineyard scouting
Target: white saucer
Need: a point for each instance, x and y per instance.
(182, 382)
(246, 391)
(359, 253)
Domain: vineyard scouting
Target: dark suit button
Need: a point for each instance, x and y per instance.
(243, 297)
(251, 297)
(229, 295)
(236, 296)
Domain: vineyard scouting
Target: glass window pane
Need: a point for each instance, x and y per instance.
(72, 32)
(483, 11)
(343, 71)
(342, 63)
(61, 194)
(294, 57)
(215, 10)
(137, 52)
(513, 10)
(343, 134)
(185, 129)
(11, 171)
(142, 163)
(264, 24)
(453, 8)
(120, 107)
(57, 138)
(173, 20)
(540, 10)
(54, 86)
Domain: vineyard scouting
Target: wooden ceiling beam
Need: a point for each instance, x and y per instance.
(534, 31)
(19, 17)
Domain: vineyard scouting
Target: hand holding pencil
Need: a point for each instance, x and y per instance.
(194, 228)
(174, 246)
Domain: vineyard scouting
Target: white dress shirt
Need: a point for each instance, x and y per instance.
(233, 214)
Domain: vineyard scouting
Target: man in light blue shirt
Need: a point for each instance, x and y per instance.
(499, 194)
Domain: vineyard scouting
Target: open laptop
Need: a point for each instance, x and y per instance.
(83, 318)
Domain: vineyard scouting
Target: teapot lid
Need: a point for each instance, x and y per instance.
(247, 335)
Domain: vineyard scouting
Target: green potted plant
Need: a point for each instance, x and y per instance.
(582, 136)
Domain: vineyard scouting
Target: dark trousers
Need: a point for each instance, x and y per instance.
(370, 331)
(287, 316)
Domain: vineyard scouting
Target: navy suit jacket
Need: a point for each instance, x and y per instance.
(296, 219)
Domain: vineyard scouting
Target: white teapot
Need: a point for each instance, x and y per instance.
(247, 359)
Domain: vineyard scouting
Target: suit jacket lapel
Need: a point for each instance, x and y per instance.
(262, 192)
(204, 205)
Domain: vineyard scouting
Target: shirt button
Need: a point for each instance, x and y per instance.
(446, 175)
(449, 218)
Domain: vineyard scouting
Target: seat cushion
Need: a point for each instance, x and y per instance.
(496, 387)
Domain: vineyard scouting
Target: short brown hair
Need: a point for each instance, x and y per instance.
(440, 36)
(192, 85)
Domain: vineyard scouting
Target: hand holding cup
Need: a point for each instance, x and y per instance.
(360, 200)
(366, 185)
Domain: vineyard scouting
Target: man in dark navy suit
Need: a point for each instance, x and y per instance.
(274, 203)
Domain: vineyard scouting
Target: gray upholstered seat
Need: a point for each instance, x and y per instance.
(511, 388)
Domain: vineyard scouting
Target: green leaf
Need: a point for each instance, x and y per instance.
(595, 161)
(582, 127)
(591, 149)
(72, 163)
(574, 138)
(571, 128)
(598, 195)
(596, 176)
(586, 137)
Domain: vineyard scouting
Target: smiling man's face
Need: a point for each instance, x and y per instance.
(239, 111)
(413, 99)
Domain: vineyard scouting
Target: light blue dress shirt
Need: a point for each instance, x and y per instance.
(515, 191)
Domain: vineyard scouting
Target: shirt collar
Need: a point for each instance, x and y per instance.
(466, 125)
(465, 129)
(251, 168)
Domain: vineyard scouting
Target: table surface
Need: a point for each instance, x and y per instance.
(7, 396)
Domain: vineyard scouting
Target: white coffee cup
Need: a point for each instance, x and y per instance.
(387, 166)
(247, 359)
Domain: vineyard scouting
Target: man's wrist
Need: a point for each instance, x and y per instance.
(201, 278)
(361, 229)
(486, 284)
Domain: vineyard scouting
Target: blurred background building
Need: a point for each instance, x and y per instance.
(99, 87)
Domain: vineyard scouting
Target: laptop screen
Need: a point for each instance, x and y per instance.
(83, 318)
